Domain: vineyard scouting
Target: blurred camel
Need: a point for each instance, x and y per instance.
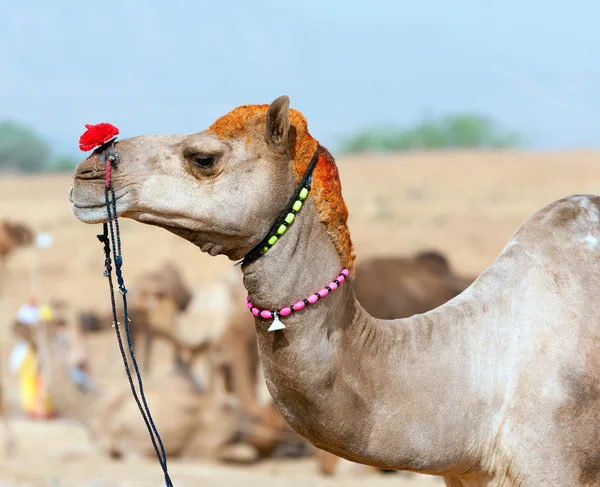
(391, 287)
(155, 299)
(12, 236)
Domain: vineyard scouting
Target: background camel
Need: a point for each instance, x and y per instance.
(425, 393)
(155, 299)
(12, 236)
(391, 287)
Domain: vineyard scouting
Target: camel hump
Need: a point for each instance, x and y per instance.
(434, 260)
(571, 222)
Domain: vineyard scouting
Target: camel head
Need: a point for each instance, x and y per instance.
(152, 293)
(176, 284)
(13, 235)
(221, 188)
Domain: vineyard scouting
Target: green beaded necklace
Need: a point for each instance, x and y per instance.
(287, 216)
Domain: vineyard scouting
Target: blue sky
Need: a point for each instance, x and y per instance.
(166, 67)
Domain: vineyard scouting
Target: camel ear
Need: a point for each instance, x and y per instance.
(277, 123)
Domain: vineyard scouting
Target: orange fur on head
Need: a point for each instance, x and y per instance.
(249, 120)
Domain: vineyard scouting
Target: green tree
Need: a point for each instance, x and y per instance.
(447, 132)
(21, 149)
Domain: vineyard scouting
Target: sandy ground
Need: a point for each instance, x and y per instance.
(465, 204)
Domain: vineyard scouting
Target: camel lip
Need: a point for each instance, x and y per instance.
(96, 212)
(77, 203)
(94, 205)
(90, 214)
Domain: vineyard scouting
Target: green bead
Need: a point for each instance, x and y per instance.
(272, 240)
(289, 218)
(265, 249)
(281, 230)
(297, 205)
(303, 193)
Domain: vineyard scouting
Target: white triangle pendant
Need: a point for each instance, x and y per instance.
(277, 323)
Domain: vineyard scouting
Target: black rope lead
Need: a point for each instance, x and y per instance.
(113, 226)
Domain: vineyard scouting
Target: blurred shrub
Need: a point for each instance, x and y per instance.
(447, 132)
(63, 164)
(23, 150)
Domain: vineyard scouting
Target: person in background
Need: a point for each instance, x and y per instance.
(29, 312)
(24, 361)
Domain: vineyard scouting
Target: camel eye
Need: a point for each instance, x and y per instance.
(205, 161)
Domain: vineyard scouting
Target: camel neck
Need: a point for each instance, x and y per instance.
(333, 361)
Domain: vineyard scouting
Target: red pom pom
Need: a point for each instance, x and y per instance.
(96, 135)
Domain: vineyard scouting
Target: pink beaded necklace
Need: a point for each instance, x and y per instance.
(312, 299)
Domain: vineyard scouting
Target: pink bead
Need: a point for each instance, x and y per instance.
(341, 278)
(249, 305)
(312, 299)
(255, 311)
(266, 314)
(345, 272)
(333, 286)
(285, 311)
(299, 305)
(323, 292)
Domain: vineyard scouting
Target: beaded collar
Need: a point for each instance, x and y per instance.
(268, 314)
(285, 219)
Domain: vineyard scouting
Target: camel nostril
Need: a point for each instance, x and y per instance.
(91, 168)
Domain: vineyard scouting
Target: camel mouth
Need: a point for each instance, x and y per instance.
(94, 211)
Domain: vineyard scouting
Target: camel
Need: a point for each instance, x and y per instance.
(390, 286)
(156, 297)
(12, 236)
(498, 386)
